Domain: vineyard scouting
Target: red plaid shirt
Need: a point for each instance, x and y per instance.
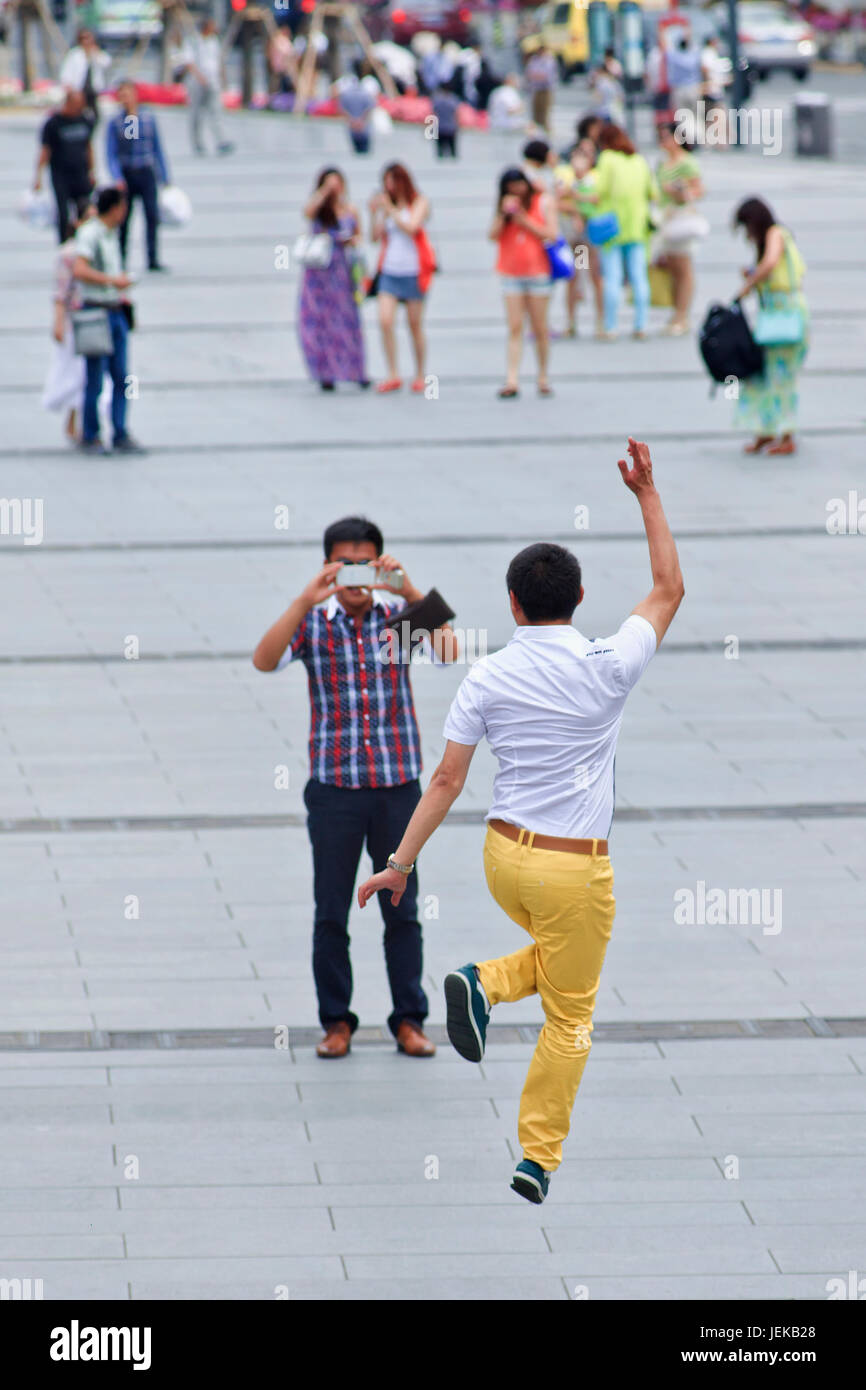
(363, 730)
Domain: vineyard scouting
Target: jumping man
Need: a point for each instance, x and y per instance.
(550, 705)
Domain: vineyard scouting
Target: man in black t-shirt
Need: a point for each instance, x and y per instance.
(66, 148)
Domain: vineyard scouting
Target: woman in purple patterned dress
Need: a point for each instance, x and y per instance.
(329, 323)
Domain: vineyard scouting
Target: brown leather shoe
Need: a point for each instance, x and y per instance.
(336, 1042)
(412, 1041)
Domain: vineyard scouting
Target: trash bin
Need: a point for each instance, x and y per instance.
(812, 123)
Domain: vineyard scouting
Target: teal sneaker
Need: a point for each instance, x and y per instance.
(530, 1181)
(468, 1013)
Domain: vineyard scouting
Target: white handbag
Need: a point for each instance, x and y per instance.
(682, 225)
(313, 250)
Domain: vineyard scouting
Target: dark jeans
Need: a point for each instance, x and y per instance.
(446, 144)
(141, 183)
(340, 820)
(75, 190)
(116, 365)
(360, 144)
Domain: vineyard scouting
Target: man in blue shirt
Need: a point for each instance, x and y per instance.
(137, 164)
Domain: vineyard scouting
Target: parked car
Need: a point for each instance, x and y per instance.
(771, 37)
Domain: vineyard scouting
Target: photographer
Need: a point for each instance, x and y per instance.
(525, 221)
(365, 760)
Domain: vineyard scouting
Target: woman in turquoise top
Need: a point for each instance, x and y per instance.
(768, 403)
(624, 185)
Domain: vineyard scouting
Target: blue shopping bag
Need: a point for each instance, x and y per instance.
(561, 258)
(602, 228)
(779, 327)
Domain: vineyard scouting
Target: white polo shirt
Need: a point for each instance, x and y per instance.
(550, 705)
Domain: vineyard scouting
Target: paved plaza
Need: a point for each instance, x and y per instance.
(157, 1139)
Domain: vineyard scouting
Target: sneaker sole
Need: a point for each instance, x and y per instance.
(462, 1029)
(527, 1187)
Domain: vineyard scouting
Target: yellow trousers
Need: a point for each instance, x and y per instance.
(566, 904)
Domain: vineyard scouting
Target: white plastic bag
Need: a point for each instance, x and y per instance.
(380, 120)
(37, 208)
(175, 208)
(313, 250)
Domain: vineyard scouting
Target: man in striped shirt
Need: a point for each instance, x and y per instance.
(365, 760)
(137, 165)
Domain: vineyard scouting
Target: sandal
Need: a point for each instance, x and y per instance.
(784, 446)
(418, 385)
(507, 393)
(758, 444)
(545, 390)
(394, 384)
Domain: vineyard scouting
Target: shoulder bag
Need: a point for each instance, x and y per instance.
(781, 324)
(91, 327)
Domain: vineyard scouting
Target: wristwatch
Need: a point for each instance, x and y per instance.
(401, 868)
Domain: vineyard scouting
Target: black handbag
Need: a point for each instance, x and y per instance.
(416, 621)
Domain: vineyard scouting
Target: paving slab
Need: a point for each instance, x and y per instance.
(264, 1174)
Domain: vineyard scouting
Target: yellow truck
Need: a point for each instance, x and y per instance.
(562, 27)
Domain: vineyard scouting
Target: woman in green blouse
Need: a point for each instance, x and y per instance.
(678, 176)
(624, 185)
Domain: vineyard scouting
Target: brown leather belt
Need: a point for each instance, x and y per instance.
(558, 842)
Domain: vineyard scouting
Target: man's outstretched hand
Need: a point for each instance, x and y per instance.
(638, 478)
(379, 883)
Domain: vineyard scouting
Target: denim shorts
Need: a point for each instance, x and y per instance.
(526, 284)
(402, 287)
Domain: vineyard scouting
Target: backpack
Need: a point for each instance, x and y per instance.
(727, 345)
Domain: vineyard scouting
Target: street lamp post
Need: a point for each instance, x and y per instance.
(738, 86)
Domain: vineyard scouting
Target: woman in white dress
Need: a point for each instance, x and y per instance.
(64, 385)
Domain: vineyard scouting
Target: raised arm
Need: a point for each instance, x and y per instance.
(548, 228)
(497, 226)
(667, 591)
(411, 219)
(272, 647)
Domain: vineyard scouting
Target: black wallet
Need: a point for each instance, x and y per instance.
(419, 619)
